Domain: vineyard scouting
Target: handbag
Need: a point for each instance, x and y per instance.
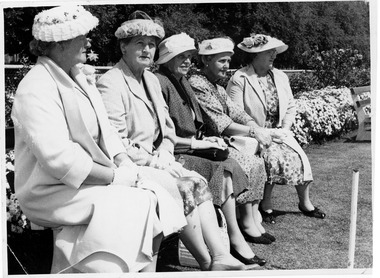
(214, 154)
(243, 144)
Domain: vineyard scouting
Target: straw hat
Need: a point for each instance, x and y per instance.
(139, 24)
(258, 43)
(215, 46)
(63, 23)
(174, 45)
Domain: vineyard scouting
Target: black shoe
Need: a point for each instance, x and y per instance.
(256, 239)
(269, 236)
(254, 260)
(268, 217)
(316, 212)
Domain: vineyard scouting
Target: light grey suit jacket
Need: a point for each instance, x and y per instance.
(130, 111)
(54, 149)
(245, 90)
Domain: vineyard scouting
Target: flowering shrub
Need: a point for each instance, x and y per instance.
(303, 82)
(323, 114)
(338, 67)
(16, 219)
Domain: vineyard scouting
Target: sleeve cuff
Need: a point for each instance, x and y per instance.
(167, 145)
(116, 146)
(79, 171)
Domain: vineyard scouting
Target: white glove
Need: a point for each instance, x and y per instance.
(222, 144)
(162, 160)
(127, 163)
(280, 134)
(204, 144)
(175, 169)
(262, 135)
(126, 175)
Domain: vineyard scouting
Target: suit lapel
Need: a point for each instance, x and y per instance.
(154, 105)
(78, 130)
(133, 85)
(282, 98)
(92, 93)
(157, 106)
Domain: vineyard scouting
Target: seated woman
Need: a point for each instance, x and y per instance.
(226, 178)
(72, 172)
(133, 99)
(224, 119)
(264, 93)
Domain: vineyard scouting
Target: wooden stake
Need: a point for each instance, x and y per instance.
(354, 205)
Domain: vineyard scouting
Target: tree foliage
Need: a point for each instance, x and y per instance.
(304, 26)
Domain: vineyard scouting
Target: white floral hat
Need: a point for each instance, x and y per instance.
(174, 45)
(63, 23)
(258, 43)
(215, 46)
(140, 24)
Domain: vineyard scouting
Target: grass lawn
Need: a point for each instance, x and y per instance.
(302, 242)
(308, 243)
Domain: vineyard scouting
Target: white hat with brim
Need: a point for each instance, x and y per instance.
(140, 27)
(63, 23)
(173, 46)
(259, 43)
(216, 46)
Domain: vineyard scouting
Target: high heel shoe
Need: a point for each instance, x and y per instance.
(256, 239)
(269, 236)
(268, 217)
(254, 260)
(316, 212)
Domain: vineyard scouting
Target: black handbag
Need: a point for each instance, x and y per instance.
(214, 154)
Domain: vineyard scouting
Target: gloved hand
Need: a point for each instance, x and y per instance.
(222, 144)
(127, 162)
(279, 134)
(162, 159)
(126, 175)
(204, 144)
(175, 169)
(262, 135)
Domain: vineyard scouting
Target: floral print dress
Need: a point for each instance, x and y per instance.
(283, 165)
(220, 111)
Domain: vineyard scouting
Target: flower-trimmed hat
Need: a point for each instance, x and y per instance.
(258, 43)
(215, 46)
(140, 24)
(63, 23)
(174, 45)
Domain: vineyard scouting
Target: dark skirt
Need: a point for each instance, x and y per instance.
(213, 171)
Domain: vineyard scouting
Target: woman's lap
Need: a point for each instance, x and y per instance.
(214, 172)
(283, 165)
(254, 168)
(93, 216)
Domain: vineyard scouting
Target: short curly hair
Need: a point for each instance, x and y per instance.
(40, 48)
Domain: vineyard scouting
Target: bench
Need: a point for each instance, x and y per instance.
(361, 97)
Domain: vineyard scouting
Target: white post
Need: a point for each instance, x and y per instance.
(354, 205)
